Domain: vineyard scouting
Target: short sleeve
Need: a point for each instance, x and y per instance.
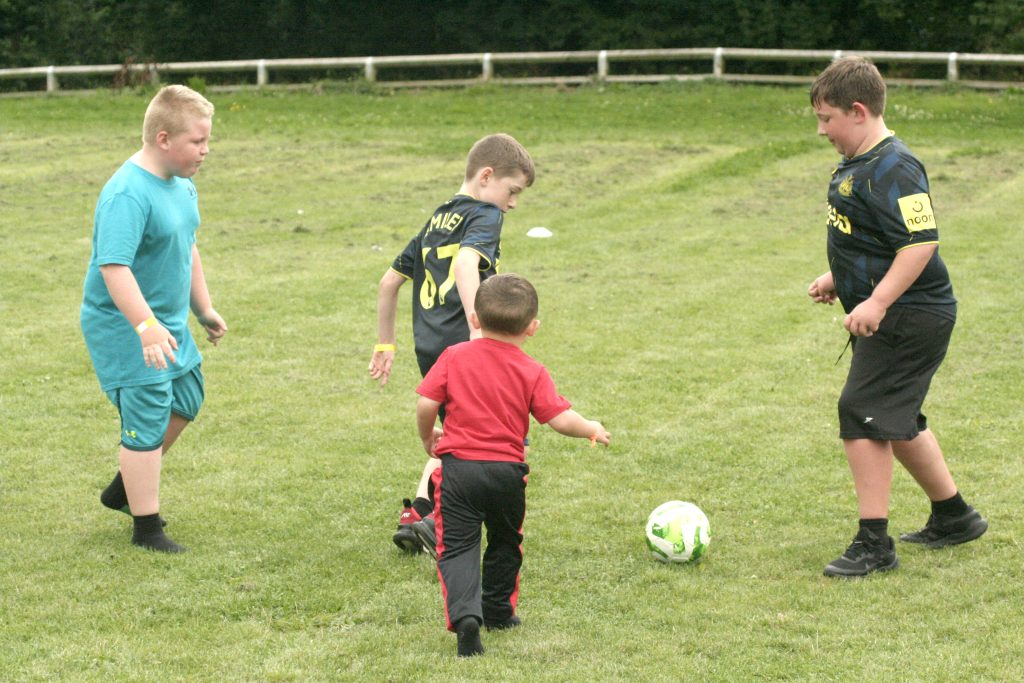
(483, 234)
(120, 223)
(905, 212)
(435, 384)
(545, 402)
(404, 262)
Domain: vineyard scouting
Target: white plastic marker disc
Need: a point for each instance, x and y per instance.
(539, 232)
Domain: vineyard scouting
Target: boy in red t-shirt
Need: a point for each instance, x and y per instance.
(489, 388)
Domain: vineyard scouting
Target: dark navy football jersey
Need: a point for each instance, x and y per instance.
(878, 204)
(438, 319)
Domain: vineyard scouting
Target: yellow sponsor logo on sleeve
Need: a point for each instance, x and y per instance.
(917, 212)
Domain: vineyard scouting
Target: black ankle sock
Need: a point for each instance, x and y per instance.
(951, 507)
(468, 633)
(422, 506)
(149, 533)
(879, 527)
(114, 496)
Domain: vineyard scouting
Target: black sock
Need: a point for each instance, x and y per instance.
(951, 507)
(149, 533)
(114, 496)
(422, 506)
(878, 527)
(468, 632)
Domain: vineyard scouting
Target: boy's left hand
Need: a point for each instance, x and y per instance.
(863, 321)
(214, 325)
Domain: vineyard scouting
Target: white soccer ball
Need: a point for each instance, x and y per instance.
(678, 532)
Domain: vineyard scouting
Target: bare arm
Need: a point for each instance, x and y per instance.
(571, 423)
(467, 281)
(157, 343)
(202, 305)
(863, 320)
(426, 416)
(387, 306)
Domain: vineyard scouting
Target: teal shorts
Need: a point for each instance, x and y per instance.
(146, 410)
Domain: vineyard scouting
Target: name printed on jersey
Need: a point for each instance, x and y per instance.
(445, 221)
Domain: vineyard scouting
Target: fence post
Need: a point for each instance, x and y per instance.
(837, 55)
(487, 71)
(154, 75)
(602, 65)
(261, 73)
(718, 65)
(952, 70)
(51, 79)
(371, 70)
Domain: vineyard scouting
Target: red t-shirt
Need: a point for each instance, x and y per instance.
(489, 389)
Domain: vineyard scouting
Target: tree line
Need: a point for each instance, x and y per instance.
(66, 32)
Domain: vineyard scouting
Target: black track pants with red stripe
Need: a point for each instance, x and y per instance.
(468, 493)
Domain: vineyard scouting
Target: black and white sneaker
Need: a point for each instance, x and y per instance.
(941, 531)
(868, 553)
(426, 535)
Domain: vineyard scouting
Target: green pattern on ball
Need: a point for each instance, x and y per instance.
(683, 527)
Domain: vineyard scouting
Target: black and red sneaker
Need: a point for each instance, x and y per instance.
(405, 538)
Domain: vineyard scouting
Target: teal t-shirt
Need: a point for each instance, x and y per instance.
(149, 224)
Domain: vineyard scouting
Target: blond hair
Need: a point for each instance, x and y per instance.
(848, 80)
(502, 153)
(506, 303)
(173, 109)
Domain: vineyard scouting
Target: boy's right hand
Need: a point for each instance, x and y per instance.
(600, 435)
(380, 365)
(158, 345)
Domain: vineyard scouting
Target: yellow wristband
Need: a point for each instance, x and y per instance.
(383, 347)
(146, 324)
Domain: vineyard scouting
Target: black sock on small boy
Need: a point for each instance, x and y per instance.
(422, 506)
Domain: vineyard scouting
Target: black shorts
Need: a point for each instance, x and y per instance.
(890, 374)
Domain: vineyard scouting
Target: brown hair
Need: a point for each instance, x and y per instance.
(502, 153)
(848, 80)
(173, 109)
(506, 303)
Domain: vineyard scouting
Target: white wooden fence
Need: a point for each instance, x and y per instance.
(602, 61)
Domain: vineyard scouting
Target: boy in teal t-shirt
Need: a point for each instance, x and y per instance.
(144, 275)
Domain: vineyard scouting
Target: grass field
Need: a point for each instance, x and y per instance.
(688, 221)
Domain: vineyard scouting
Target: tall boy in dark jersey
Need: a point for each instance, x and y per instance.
(457, 248)
(491, 388)
(885, 269)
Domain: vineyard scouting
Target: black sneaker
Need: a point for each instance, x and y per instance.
(868, 553)
(425, 534)
(941, 531)
(404, 537)
(511, 622)
(468, 633)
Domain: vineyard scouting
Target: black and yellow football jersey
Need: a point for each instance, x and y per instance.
(438, 319)
(879, 204)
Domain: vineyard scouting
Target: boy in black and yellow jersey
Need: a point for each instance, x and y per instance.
(885, 269)
(457, 248)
